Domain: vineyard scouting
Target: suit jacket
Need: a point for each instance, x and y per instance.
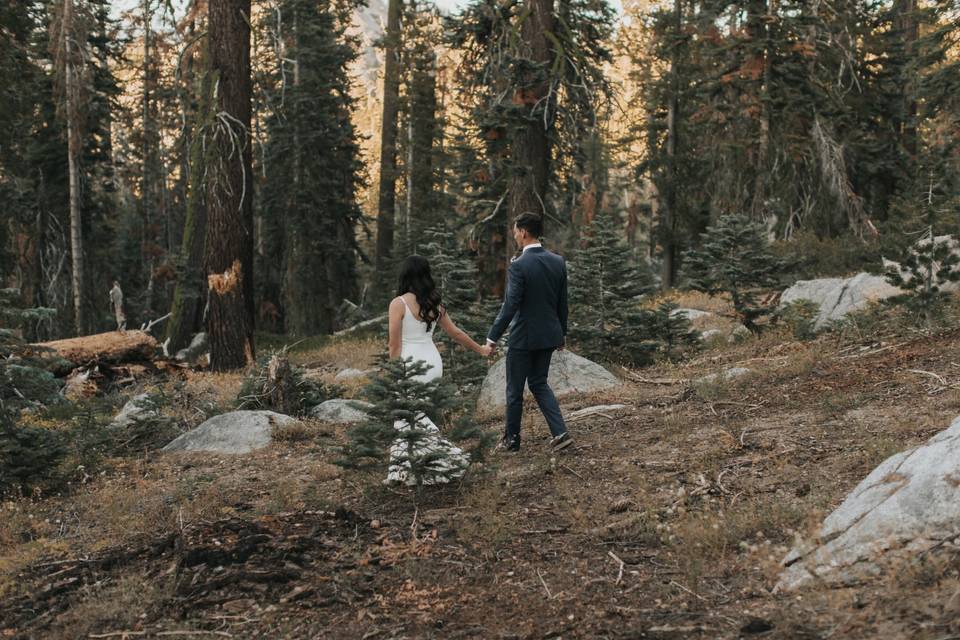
(535, 305)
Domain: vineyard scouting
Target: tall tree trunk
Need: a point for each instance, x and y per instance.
(906, 26)
(386, 202)
(189, 296)
(74, 148)
(421, 178)
(530, 149)
(229, 233)
(668, 210)
(762, 169)
(147, 165)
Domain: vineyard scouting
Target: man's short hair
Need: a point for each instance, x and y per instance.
(531, 223)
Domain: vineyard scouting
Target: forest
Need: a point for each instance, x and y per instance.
(160, 143)
(206, 208)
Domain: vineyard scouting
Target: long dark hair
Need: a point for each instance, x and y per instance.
(415, 278)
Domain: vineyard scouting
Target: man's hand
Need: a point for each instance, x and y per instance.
(563, 345)
(487, 350)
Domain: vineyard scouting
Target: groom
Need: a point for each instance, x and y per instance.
(535, 308)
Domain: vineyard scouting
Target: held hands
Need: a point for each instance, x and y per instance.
(488, 350)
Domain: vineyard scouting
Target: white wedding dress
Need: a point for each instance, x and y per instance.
(417, 343)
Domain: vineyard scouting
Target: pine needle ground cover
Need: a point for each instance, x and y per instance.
(668, 519)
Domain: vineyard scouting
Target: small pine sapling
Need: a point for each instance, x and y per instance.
(400, 432)
(929, 266)
(736, 259)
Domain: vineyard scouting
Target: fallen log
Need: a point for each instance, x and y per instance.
(114, 346)
(362, 325)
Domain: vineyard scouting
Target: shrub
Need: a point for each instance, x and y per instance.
(398, 431)
(736, 259)
(928, 266)
(30, 457)
(277, 385)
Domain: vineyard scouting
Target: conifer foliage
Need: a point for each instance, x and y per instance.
(736, 259)
(312, 165)
(396, 434)
(456, 276)
(605, 289)
(28, 455)
(932, 264)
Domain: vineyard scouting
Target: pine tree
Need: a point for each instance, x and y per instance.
(24, 383)
(186, 312)
(313, 165)
(395, 431)
(229, 183)
(605, 288)
(931, 265)
(387, 191)
(457, 280)
(421, 128)
(531, 77)
(736, 260)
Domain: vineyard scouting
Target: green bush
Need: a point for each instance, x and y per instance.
(400, 403)
(736, 259)
(800, 316)
(816, 257)
(30, 457)
(927, 268)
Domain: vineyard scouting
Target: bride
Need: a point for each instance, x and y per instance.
(414, 314)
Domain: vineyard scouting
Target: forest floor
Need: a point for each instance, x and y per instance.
(667, 519)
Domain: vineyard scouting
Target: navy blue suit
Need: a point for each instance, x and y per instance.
(535, 308)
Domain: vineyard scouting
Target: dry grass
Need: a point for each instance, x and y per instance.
(125, 603)
(701, 498)
(345, 353)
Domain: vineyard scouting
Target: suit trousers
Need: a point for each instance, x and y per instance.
(531, 367)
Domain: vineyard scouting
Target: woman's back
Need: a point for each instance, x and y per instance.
(416, 340)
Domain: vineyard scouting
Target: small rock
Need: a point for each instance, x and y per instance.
(352, 374)
(569, 373)
(341, 411)
(234, 432)
(692, 314)
(139, 406)
(725, 375)
(198, 348)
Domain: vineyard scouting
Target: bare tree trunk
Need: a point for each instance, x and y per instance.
(189, 296)
(906, 25)
(386, 202)
(668, 212)
(531, 148)
(229, 234)
(73, 160)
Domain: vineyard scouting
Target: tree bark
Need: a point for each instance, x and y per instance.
(386, 202)
(114, 346)
(74, 150)
(906, 26)
(229, 189)
(189, 296)
(668, 210)
(531, 148)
